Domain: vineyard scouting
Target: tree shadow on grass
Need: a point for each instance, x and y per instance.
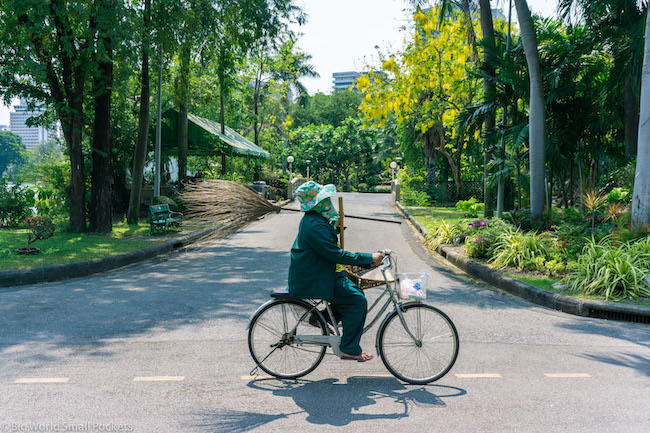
(337, 404)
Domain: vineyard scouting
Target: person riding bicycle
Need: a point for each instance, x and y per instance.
(316, 270)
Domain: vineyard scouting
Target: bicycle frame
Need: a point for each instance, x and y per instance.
(333, 341)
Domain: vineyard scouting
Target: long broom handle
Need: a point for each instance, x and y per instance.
(384, 220)
(340, 222)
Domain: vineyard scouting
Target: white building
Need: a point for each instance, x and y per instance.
(32, 135)
(4, 128)
(345, 80)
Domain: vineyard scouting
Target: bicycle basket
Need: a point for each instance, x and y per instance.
(413, 286)
(365, 278)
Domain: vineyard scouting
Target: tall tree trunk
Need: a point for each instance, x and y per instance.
(77, 187)
(257, 95)
(502, 150)
(537, 117)
(184, 89)
(222, 118)
(641, 191)
(140, 151)
(488, 89)
(101, 193)
(631, 116)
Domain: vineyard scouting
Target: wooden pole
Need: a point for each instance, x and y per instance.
(340, 223)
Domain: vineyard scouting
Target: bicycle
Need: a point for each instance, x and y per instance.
(417, 343)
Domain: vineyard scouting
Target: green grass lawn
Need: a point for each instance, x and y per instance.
(431, 215)
(66, 247)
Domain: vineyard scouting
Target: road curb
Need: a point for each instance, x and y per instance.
(46, 274)
(556, 301)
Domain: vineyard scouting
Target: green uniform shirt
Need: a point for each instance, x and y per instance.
(314, 256)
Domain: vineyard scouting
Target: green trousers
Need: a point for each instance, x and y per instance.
(349, 306)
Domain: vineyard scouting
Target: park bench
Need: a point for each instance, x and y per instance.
(162, 218)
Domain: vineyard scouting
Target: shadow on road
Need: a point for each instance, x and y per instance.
(78, 316)
(631, 332)
(333, 403)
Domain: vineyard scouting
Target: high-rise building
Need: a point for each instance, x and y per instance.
(32, 135)
(345, 80)
(4, 128)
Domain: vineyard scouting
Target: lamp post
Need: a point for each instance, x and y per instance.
(398, 161)
(290, 160)
(393, 166)
(308, 162)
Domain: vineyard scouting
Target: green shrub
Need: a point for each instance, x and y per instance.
(362, 187)
(15, 203)
(444, 232)
(476, 246)
(415, 198)
(381, 188)
(482, 240)
(555, 267)
(518, 217)
(470, 208)
(570, 239)
(40, 227)
(161, 199)
(460, 230)
(610, 270)
(619, 194)
(520, 249)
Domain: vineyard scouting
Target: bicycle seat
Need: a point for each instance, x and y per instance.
(280, 294)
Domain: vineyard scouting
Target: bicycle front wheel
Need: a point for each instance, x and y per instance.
(271, 339)
(425, 360)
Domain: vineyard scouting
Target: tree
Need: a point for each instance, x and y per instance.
(641, 192)
(618, 27)
(46, 53)
(326, 109)
(537, 117)
(12, 150)
(487, 27)
(425, 88)
(140, 151)
(107, 28)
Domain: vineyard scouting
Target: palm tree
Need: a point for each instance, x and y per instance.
(536, 116)
(641, 192)
(619, 26)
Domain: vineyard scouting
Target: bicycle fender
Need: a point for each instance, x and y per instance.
(264, 305)
(250, 320)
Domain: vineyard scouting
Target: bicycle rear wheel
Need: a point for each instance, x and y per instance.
(423, 363)
(271, 344)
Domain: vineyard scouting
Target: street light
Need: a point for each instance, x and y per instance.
(393, 166)
(398, 160)
(290, 160)
(308, 162)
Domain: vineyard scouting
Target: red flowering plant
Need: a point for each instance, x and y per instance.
(40, 227)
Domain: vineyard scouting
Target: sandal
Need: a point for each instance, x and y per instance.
(359, 358)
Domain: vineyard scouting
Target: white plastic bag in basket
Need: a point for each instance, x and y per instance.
(413, 286)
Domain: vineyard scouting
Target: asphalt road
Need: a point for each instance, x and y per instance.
(161, 347)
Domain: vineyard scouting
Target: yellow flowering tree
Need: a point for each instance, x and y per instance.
(425, 86)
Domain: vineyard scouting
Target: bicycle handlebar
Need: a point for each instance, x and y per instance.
(387, 258)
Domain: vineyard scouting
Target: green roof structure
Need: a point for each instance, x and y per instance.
(204, 137)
